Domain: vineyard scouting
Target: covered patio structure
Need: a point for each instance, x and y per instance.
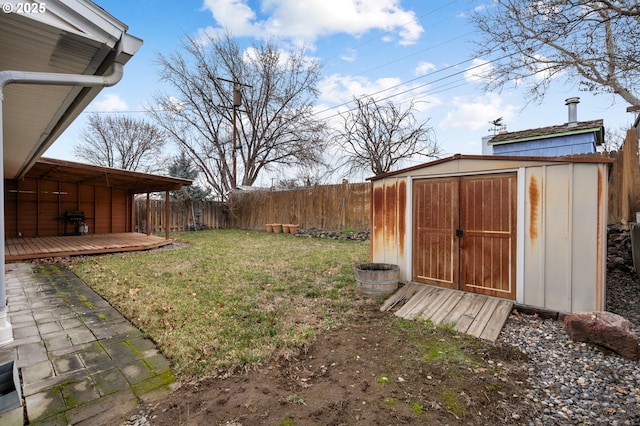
(63, 208)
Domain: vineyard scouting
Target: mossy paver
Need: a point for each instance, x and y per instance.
(109, 381)
(47, 403)
(81, 361)
(77, 393)
(36, 372)
(67, 363)
(137, 371)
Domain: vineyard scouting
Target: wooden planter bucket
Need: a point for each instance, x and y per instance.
(377, 280)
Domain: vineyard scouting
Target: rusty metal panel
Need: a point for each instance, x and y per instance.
(534, 237)
(564, 234)
(488, 234)
(388, 223)
(435, 220)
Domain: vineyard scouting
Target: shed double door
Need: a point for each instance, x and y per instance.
(464, 233)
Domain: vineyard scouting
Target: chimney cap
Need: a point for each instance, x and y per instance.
(573, 100)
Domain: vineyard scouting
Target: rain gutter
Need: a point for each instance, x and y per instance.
(42, 78)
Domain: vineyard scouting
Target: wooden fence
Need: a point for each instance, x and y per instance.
(624, 182)
(184, 216)
(347, 206)
(328, 207)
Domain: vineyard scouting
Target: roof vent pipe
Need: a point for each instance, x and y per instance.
(572, 104)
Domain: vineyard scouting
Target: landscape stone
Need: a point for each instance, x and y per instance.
(606, 329)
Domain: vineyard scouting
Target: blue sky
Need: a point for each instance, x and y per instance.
(421, 48)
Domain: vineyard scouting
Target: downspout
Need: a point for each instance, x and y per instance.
(27, 77)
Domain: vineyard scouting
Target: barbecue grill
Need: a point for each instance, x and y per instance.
(75, 218)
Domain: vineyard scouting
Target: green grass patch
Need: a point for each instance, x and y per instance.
(231, 299)
(452, 403)
(288, 421)
(417, 408)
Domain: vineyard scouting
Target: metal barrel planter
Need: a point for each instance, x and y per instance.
(377, 280)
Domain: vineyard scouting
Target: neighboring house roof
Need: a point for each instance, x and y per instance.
(552, 132)
(516, 161)
(79, 173)
(70, 37)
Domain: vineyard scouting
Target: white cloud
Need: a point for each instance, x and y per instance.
(479, 71)
(309, 19)
(349, 55)
(424, 68)
(111, 102)
(339, 90)
(477, 113)
(542, 68)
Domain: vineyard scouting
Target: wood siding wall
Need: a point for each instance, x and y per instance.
(212, 214)
(36, 207)
(331, 207)
(624, 182)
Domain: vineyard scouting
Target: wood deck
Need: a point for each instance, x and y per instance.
(475, 314)
(25, 248)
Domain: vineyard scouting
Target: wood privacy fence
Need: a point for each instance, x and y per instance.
(624, 181)
(184, 216)
(328, 207)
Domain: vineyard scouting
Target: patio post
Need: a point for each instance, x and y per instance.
(167, 215)
(6, 331)
(148, 230)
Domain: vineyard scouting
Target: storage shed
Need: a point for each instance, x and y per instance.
(529, 229)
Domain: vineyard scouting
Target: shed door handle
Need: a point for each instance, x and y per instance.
(459, 233)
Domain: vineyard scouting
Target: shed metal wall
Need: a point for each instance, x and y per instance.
(561, 215)
(565, 237)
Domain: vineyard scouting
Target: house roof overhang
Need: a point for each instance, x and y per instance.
(73, 37)
(595, 126)
(595, 158)
(79, 173)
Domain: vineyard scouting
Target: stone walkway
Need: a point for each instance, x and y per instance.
(81, 361)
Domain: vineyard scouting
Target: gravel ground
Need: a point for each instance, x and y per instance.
(576, 383)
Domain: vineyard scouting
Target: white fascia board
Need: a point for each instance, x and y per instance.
(81, 17)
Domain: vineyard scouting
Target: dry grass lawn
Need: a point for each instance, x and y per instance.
(230, 300)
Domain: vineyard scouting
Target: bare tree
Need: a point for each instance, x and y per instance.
(275, 123)
(377, 137)
(595, 44)
(122, 142)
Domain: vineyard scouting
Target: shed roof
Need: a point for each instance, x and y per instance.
(592, 158)
(580, 127)
(79, 173)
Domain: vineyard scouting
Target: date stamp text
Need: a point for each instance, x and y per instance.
(23, 8)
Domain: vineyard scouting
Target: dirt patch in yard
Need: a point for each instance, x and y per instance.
(375, 369)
